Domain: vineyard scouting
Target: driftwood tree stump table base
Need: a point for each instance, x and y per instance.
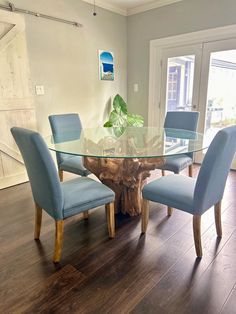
(126, 177)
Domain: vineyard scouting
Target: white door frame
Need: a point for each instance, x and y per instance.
(157, 48)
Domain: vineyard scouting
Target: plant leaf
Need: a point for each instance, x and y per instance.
(108, 124)
(119, 105)
(119, 131)
(117, 120)
(135, 120)
(120, 118)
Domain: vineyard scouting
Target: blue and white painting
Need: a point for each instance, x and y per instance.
(106, 65)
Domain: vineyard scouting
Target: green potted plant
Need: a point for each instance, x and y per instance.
(120, 118)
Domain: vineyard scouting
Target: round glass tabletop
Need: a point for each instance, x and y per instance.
(144, 142)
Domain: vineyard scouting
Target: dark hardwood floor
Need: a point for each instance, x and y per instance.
(155, 273)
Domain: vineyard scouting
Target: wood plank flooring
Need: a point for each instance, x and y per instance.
(155, 273)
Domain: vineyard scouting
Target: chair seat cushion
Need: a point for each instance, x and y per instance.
(74, 165)
(173, 190)
(83, 193)
(177, 163)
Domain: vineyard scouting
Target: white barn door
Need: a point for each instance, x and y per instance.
(16, 97)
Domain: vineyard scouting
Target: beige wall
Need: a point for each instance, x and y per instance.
(183, 17)
(65, 59)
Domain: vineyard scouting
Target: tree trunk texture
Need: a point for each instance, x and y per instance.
(126, 177)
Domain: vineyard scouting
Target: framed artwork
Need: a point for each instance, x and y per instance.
(106, 65)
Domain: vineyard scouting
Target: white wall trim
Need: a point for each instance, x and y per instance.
(150, 6)
(157, 47)
(126, 12)
(103, 4)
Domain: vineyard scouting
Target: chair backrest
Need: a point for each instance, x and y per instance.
(64, 123)
(41, 170)
(213, 174)
(185, 120)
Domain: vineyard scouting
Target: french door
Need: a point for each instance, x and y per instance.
(217, 99)
(181, 69)
(201, 78)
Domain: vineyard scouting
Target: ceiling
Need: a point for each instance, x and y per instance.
(130, 7)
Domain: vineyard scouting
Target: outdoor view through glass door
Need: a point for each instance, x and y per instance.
(221, 95)
(180, 79)
(217, 101)
(180, 74)
(203, 78)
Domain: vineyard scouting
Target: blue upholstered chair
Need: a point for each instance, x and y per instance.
(59, 200)
(186, 120)
(195, 196)
(68, 123)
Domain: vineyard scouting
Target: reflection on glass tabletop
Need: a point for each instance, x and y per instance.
(144, 142)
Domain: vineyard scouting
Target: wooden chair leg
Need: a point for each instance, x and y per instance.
(190, 170)
(60, 173)
(163, 173)
(59, 224)
(38, 221)
(218, 219)
(169, 211)
(86, 214)
(145, 215)
(197, 234)
(110, 213)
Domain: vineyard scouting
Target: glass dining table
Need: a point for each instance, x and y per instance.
(122, 158)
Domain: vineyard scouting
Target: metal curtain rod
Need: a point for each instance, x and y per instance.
(12, 8)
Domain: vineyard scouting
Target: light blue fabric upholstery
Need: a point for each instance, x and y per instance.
(74, 165)
(65, 123)
(214, 170)
(197, 195)
(41, 170)
(177, 163)
(60, 200)
(173, 190)
(186, 120)
(91, 194)
(68, 123)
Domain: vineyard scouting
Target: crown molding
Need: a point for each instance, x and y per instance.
(150, 6)
(126, 12)
(103, 4)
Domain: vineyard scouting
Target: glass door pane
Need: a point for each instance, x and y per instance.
(217, 101)
(180, 76)
(179, 85)
(221, 95)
